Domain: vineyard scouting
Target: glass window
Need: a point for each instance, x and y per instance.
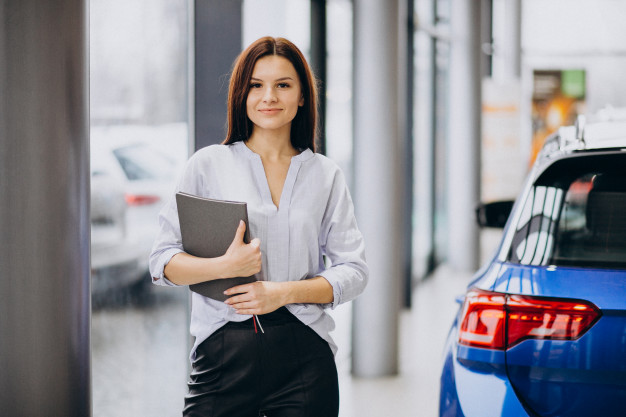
(575, 216)
(138, 109)
(432, 50)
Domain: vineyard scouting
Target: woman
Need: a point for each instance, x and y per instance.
(299, 211)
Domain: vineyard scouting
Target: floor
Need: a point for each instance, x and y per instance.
(414, 391)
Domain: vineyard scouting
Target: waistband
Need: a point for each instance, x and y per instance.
(275, 318)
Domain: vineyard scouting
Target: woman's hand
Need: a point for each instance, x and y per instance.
(260, 297)
(243, 259)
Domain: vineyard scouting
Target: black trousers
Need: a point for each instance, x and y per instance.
(287, 371)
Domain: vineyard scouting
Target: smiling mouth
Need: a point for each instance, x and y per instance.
(269, 111)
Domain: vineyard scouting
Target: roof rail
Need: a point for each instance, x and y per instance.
(611, 114)
(605, 129)
(571, 137)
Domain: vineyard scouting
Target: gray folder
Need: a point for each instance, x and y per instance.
(208, 228)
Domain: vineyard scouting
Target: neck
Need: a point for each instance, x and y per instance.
(271, 145)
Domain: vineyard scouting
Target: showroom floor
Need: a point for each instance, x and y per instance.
(423, 329)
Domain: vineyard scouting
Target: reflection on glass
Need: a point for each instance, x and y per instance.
(578, 219)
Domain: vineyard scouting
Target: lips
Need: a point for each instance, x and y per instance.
(269, 111)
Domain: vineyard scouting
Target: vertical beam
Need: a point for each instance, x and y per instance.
(464, 134)
(405, 123)
(217, 41)
(486, 37)
(378, 171)
(508, 40)
(44, 209)
(318, 62)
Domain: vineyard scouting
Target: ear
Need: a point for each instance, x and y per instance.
(301, 102)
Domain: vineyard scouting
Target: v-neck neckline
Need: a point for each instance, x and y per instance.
(290, 179)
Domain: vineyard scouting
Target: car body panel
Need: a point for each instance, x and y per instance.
(604, 288)
(566, 378)
(115, 256)
(490, 393)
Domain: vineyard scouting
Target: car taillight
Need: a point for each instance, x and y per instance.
(483, 320)
(498, 321)
(547, 318)
(141, 199)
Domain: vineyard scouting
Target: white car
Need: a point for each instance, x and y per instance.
(130, 180)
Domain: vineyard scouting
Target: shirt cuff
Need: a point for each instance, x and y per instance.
(334, 278)
(158, 276)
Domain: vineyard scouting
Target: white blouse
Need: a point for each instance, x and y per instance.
(314, 219)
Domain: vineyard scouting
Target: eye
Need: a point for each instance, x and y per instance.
(283, 85)
(255, 85)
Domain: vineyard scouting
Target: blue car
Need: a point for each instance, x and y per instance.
(541, 330)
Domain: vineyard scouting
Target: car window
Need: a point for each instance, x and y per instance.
(574, 219)
(141, 162)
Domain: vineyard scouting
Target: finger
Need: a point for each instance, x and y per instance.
(239, 289)
(248, 308)
(248, 311)
(240, 231)
(246, 305)
(237, 299)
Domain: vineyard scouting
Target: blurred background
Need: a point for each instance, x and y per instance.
(476, 87)
(541, 63)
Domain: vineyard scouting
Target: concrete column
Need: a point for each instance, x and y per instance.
(507, 57)
(464, 104)
(378, 172)
(44, 209)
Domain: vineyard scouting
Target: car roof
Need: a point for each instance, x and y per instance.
(605, 135)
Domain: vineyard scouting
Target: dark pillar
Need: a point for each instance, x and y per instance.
(318, 62)
(44, 209)
(216, 44)
(405, 95)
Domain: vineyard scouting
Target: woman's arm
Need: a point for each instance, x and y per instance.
(263, 297)
(240, 260)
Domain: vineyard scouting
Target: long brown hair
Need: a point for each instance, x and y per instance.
(304, 124)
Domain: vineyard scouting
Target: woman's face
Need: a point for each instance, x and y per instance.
(275, 94)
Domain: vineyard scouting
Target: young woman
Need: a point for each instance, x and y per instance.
(299, 211)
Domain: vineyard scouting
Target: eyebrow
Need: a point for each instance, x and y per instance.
(276, 80)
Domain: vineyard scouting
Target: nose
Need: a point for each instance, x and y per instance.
(269, 95)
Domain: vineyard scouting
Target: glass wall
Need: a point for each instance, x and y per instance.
(339, 84)
(430, 137)
(138, 106)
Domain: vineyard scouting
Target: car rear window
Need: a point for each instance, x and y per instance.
(575, 215)
(141, 162)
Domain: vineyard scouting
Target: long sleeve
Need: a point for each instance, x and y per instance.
(169, 242)
(342, 243)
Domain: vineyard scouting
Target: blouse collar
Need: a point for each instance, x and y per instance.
(301, 157)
